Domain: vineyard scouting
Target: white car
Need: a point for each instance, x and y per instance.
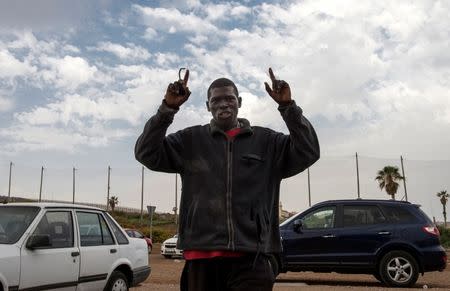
(169, 248)
(67, 247)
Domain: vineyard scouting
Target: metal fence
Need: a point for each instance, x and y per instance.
(330, 178)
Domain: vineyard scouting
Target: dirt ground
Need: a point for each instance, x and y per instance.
(165, 276)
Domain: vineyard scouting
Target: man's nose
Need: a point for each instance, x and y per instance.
(223, 104)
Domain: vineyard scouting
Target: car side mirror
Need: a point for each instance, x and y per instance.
(38, 241)
(298, 224)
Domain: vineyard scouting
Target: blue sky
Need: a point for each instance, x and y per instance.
(79, 79)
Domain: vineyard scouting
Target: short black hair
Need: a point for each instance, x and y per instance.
(222, 82)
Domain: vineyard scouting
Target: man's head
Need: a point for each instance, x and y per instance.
(224, 103)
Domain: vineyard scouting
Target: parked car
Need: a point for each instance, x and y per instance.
(169, 248)
(135, 233)
(393, 240)
(67, 246)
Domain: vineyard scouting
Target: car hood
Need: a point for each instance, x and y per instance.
(172, 240)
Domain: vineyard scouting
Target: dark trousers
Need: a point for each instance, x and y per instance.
(226, 274)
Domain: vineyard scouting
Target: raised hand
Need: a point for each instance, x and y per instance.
(178, 92)
(280, 91)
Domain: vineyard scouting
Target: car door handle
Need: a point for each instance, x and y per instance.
(113, 251)
(328, 236)
(75, 254)
(384, 233)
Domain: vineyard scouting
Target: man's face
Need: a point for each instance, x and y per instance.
(224, 105)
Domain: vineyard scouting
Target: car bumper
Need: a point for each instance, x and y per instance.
(171, 252)
(434, 259)
(140, 275)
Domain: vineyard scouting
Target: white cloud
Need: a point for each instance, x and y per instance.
(150, 34)
(171, 20)
(129, 52)
(6, 104)
(68, 72)
(68, 139)
(76, 108)
(225, 12)
(12, 67)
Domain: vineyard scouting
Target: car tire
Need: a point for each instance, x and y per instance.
(167, 256)
(117, 282)
(399, 269)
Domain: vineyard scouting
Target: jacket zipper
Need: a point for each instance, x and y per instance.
(228, 196)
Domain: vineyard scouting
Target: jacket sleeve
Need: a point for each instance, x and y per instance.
(300, 149)
(157, 151)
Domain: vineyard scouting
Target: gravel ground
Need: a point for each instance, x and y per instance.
(165, 276)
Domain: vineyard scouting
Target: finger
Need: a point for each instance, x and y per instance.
(188, 93)
(186, 77)
(268, 89)
(281, 84)
(272, 76)
(172, 88)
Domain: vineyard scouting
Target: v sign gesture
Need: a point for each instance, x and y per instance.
(178, 92)
(280, 91)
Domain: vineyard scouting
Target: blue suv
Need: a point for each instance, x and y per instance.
(393, 240)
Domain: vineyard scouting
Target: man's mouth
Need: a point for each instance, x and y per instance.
(224, 114)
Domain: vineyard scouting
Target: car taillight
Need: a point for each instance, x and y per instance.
(431, 230)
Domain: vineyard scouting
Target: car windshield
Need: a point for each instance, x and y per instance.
(14, 220)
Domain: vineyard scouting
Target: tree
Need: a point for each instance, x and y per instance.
(443, 195)
(387, 179)
(113, 201)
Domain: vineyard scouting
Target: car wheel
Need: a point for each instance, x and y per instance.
(117, 282)
(399, 269)
(167, 256)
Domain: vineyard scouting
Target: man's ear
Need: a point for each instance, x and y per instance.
(239, 102)
(207, 106)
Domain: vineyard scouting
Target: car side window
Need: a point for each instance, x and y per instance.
(360, 215)
(320, 219)
(121, 238)
(58, 226)
(399, 214)
(93, 229)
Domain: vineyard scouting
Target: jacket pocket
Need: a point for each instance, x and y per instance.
(252, 158)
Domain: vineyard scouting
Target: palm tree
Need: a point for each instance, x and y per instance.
(387, 179)
(113, 201)
(444, 198)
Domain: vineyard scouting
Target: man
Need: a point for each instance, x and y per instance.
(231, 174)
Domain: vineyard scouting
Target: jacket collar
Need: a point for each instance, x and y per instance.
(244, 124)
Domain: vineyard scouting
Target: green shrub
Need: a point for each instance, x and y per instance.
(445, 236)
(160, 235)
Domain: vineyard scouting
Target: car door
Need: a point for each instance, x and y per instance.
(98, 250)
(364, 230)
(55, 266)
(314, 243)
